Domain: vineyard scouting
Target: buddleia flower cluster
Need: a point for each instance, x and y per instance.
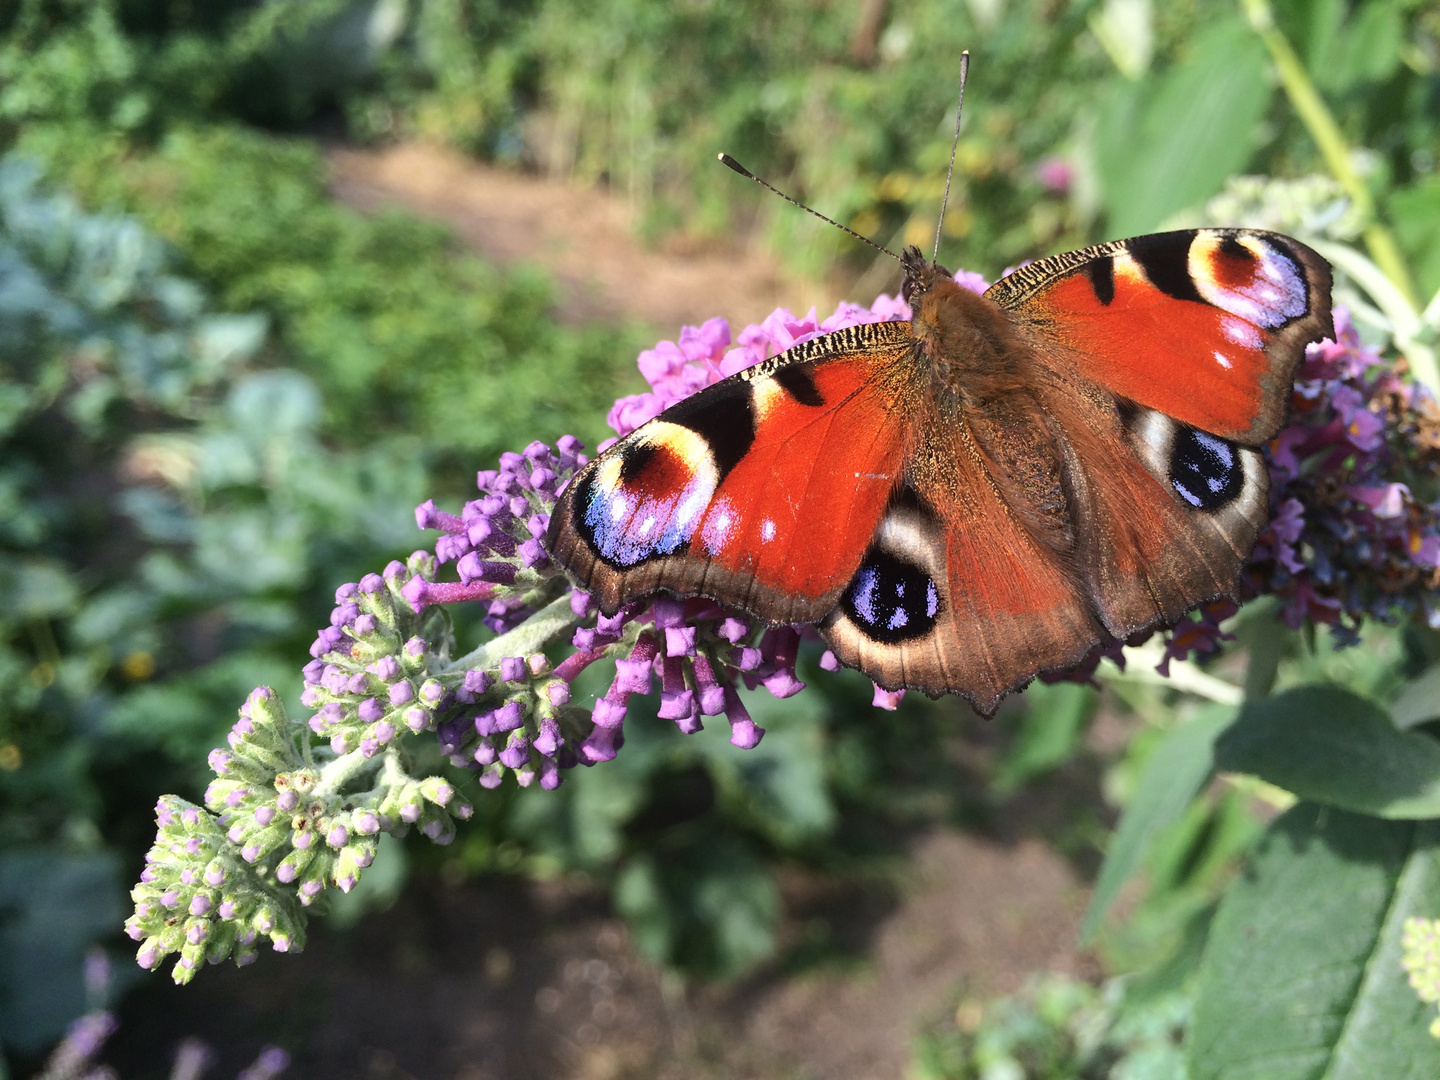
(1420, 958)
(297, 805)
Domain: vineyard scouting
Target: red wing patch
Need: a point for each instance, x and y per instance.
(761, 491)
(1206, 326)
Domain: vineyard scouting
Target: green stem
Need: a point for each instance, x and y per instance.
(530, 636)
(336, 774)
(1326, 132)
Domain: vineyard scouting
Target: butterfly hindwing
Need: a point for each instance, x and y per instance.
(956, 592)
(761, 491)
(1204, 325)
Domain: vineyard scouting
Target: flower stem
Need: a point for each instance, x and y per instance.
(530, 636)
(336, 774)
(1325, 131)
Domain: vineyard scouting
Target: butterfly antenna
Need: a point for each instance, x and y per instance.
(726, 159)
(959, 104)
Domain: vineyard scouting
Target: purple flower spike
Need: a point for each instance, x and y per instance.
(516, 754)
(599, 745)
(680, 641)
(743, 731)
(712, 692)
(509, 716)
(734, 630)
(888, 700)
(679, 706)
(611, 624)
(669, 613)
(783, 683)
(548, 740)
(608, 714)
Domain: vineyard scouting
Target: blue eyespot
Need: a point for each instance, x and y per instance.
(891, 600)
(1205, 471)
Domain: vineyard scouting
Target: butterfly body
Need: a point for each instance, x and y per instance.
(988, 490)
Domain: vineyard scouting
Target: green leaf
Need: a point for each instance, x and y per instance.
(1331, 746)
(1301, 978)
(1050, 732)
(1419, 702)
(1168, 142)
(1170, 778)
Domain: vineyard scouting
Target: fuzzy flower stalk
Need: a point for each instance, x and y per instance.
(297, 804)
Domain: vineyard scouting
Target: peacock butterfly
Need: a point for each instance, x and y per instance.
(986, 491)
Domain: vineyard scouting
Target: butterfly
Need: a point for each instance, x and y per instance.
(989, 490)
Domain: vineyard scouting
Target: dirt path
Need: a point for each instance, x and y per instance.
(488, 995)
(581, 236)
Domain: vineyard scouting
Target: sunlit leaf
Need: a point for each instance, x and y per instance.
(1301, 978)
(1329, 745)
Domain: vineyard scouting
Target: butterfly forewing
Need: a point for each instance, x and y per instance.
(1205, 325)
(761, 491)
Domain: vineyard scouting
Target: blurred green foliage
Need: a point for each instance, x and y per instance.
(180, 489)
(1057, 1028)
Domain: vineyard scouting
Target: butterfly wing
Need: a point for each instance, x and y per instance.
(957, 592)
(761, 491)
(1206, 325)
(1165, 361)
(1108, 479)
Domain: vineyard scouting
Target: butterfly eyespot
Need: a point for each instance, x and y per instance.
(1205, 471)
(646, 501)
(891, 600)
